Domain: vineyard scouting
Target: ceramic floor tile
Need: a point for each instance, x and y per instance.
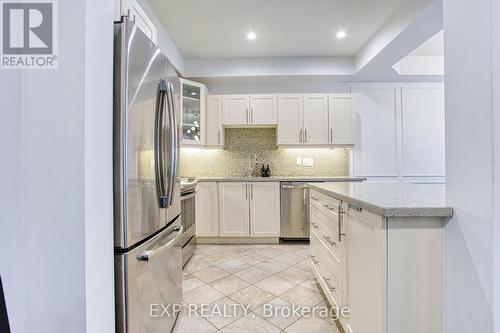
(252, 274)
(269, 252)
(295, 275)
(271, 266)
(229, 285)
(204, 249)
(202, 295)
(223, 312)
(288, 258)
(218, 258)
(312, 284)
(278, 312)
(252, 296)
(196, 263)
(302, 296)
(190, 282)
(312, 324)
(234, 266)
(275, 285)
(253, 258)
(210, 274)
(190, 324)
(304, 265)
(250, 324)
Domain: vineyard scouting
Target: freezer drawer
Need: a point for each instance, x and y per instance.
(146, 278)
(294, 211)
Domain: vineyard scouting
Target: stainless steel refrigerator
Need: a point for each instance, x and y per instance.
(147, 207)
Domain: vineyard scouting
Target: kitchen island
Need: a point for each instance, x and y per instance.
(377, 248)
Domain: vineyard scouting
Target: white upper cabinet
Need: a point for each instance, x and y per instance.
(315, 119)
(263, 110)
(207, 210)
(193, 108)
(342, 119)
(215, 131)
(134, 11)
(236, 109)
(264, 209)
(234, 203)
(289, 119)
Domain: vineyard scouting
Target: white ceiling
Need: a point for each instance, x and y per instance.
(284, 28)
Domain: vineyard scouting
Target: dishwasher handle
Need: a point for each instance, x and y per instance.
(293, 187)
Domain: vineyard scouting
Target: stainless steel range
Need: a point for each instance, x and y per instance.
(188, 214)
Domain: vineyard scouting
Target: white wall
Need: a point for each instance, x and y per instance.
(469, 166)
(496, 151)
(53, 196)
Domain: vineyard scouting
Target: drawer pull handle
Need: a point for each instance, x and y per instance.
(329, 240)
(314, 260)
(341, 222)
(315, 226)
(354, 207)
(328, 284)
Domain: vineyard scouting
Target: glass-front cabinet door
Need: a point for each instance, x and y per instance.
(193, 113)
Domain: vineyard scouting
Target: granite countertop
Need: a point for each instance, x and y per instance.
(281, 179)
(391, 199)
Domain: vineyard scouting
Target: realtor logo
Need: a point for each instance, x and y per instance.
(29, 38)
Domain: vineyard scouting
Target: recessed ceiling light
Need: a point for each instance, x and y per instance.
(341, 34)
(251, 35)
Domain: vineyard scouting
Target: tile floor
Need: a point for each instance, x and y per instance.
(251, 276)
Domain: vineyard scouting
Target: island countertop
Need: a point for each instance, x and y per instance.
(390, 199)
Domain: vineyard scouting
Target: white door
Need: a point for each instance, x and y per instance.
(263, 110)
(236, 110)
(234, 202)
(207, 210)
(289, 119)
(264, 209)
(316, 119)
(366, 272)
(342, 119)
(215, 134)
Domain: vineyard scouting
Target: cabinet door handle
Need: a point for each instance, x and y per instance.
(329, 240)
(341, 222)
(246, 191)
(300, 135)
(251, 115)
(251, 191)
(327, 280)
(305, 135)
(314, 260)
(218, 137)
(331, 135)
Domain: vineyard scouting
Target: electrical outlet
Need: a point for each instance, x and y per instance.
(299, 160)
(307, 161)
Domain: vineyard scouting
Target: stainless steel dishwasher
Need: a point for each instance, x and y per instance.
(294, 210)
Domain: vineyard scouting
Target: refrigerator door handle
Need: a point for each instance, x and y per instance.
(174, 144)
(158, 145)
(148, 254)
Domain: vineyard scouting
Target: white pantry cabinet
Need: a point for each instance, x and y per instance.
(243, 110)
(264, 209)
(249, 209)
(234, 205)
(341, 119)
(207, 210)
(215, 130)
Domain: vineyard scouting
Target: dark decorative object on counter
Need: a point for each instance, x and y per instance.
(4, 320)
(268, 171)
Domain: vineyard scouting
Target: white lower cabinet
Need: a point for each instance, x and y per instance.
(234, 205)
(264, 209)
(387, 271)
(207, 210)
(249, 209)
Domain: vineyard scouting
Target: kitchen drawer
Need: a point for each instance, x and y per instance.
(326, 225)
(324, 198)
(329, 269)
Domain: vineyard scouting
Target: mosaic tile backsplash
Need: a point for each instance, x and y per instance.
(233, 160)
